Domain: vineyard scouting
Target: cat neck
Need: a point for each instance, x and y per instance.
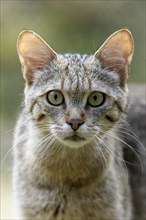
(68, 166)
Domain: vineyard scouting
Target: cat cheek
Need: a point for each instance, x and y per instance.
(37, 112)
(66, 127)
(113, 116)
(84, 128)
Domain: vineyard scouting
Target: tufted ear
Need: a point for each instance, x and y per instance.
(34, 53)
(116, 53)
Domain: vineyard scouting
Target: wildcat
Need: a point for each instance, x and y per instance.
(68, 161)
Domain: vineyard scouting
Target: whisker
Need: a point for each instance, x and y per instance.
(6, 155)
(103, 157)
(119, 139)
(116, 157)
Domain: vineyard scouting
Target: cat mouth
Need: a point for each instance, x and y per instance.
(74, 138)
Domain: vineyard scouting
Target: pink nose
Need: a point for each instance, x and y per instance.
(75, 123)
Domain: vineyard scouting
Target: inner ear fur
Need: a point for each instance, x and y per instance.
(34, 53)
(116, 52)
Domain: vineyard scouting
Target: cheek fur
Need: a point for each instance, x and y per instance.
(104, 118)
(40, 109)
(114, 114)
(38, 112)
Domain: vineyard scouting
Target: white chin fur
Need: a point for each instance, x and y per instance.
(74, 144)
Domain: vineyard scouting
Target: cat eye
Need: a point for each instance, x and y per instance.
(96, 99)
(55, 97)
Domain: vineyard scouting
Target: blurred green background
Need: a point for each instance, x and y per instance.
(68, 26)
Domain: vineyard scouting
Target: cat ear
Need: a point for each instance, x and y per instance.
(34, 53)
(116, 53)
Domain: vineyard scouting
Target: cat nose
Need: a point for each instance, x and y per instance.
(75, 123)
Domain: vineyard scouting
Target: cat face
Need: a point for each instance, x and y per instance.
(79, 103)
(75, 98)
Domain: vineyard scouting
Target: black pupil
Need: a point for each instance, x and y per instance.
(95, 97)
(55, 96)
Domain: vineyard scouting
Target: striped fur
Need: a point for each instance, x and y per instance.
(67, 163)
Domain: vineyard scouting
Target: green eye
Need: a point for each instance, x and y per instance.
(55, 97)
(96, 99)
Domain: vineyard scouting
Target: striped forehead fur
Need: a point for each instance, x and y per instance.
(76, 72)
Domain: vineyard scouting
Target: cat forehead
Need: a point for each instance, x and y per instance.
(76, 74)
(76, 61)
(75, 58)
(83, 73)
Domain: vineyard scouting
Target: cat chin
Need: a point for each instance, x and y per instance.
(74, 142)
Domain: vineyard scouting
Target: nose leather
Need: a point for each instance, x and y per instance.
(75, 123)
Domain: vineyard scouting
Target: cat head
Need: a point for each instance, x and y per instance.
(75, 98)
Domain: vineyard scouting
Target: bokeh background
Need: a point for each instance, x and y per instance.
(68, 26)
